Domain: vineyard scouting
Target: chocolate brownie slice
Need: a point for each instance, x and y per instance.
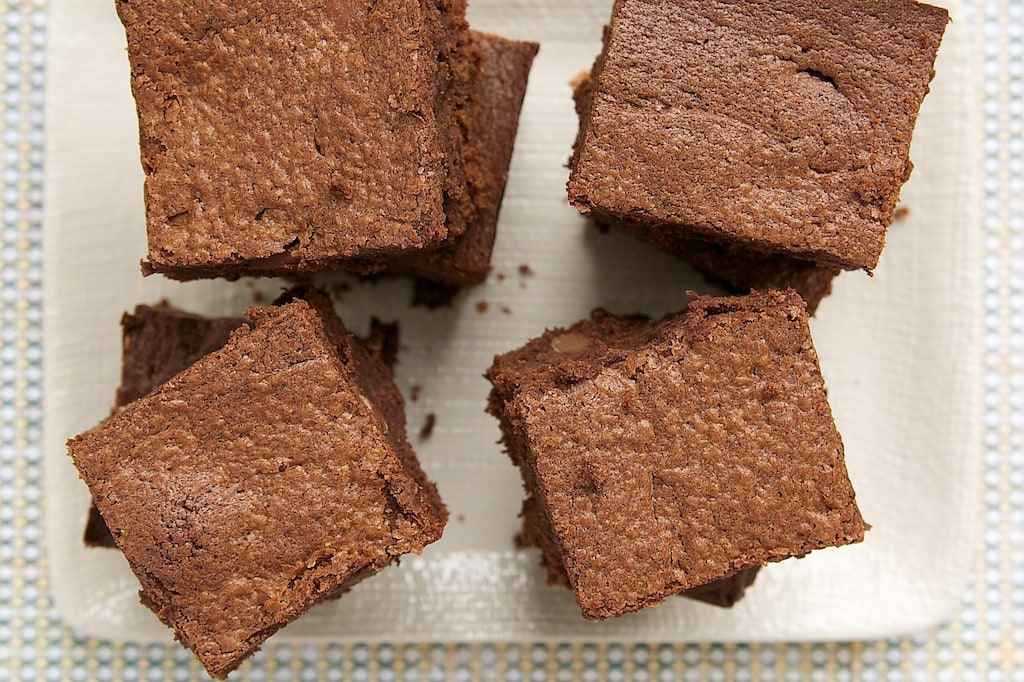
(268, 476)
(280, 137)
(499, 85)
(157, 342)
(666, 455)
(784, 127)
(160, 341)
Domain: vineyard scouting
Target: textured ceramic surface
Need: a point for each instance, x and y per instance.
(900, 352)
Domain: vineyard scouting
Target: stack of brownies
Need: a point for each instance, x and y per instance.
(255, 467)
(281, 139)
(765, 144)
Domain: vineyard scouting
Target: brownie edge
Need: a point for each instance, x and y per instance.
(498, 87)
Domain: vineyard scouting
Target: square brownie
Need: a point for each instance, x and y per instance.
(157, 342)
(729, 265)
(498, 87)
(784, 127)
(279, 137)
(666, 455)
(270, 475)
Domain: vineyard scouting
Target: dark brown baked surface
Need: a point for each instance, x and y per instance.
(157, 342)
(498, 88)
(270, 475)
(666, 455)
(281, 137)
(724, 592)
(782, 126)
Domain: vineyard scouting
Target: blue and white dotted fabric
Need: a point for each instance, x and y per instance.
(984, 642)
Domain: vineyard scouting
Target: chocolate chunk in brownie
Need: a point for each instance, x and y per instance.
(780, 126)
(279, 137)
(666, 455)
(498, 88)
(268, 476)
(158, 341)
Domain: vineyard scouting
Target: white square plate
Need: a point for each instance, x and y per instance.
(900, 352)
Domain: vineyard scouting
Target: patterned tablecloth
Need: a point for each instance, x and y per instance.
(985, 641)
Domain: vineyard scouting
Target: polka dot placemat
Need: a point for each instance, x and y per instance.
(984, 642)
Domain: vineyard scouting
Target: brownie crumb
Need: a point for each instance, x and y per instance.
(482, 306)
(414, 392)
(901, 212)
(428, 426)
(525, 270)
(461, 518)
(500, 276)
(506, 310)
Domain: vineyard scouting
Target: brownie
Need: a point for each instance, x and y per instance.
(498, 87)
(666, 455)
(157, 342)
(279, 137)
(268, 476)
(784, 127)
